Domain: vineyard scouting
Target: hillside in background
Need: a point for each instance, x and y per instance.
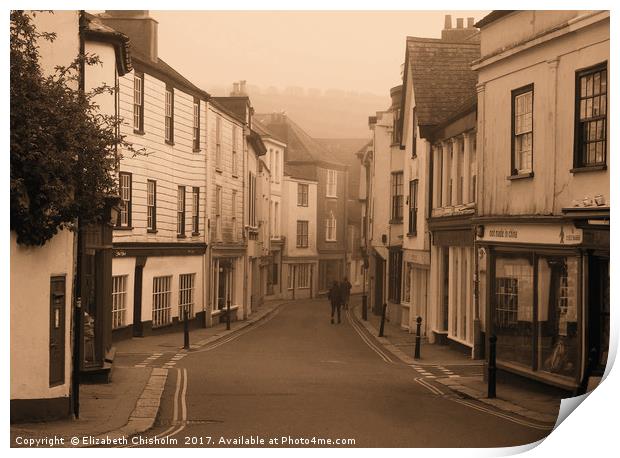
(323, 114)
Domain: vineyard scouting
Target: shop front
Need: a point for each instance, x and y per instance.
(543, 305)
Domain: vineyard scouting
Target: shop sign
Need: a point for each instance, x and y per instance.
(549, 234)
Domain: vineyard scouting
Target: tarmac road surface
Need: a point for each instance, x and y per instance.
(294, 379)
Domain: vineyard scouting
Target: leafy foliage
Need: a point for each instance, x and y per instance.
(63, 150)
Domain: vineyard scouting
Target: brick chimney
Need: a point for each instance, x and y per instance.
(460, 33)
(242, 90)
(138, 26)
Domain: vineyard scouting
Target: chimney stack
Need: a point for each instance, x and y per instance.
(242, 88)
(459, 34)
(138, 26)
(235, 90)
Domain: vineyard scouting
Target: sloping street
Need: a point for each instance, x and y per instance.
(295, 375)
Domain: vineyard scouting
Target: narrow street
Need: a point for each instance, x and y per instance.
(295, 374)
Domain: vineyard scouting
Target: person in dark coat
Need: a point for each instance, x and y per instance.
(335, 298)
(345, 291)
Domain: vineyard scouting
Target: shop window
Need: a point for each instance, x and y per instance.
(558, 338)
(513, 309)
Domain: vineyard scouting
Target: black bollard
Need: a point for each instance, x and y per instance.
(382, 320)
(417, 338)
(185, 328)
(228, 316)
(365, 307)
(492, 366)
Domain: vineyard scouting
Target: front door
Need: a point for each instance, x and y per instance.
(598, 315)
(57, 331)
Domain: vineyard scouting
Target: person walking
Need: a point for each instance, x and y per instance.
(345, 291)
(335, 298)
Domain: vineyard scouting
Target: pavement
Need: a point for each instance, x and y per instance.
(130, 403)
(441, 364)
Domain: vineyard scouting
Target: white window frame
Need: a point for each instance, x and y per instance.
(196, 126)
(218, 213)
(169, 109)
(234, 215)
(162, 301)
(119, 300)
(138, 101)
(303, 276)
(125, 194)
(330, 227)
(218, 142)
(332, 183)
(195, 210)
(523, 129)
(151, 202)
(235, 165)
(181, 211)
(187, 294)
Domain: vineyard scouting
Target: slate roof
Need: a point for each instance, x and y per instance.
(263, 131)
(300, 147)
(442, 76)
(163, 71)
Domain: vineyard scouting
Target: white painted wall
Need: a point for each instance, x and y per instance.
(292, 213)
(170, 166)
(31, 269)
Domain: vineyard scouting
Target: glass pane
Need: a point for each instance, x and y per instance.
(513, 310)
(604, 82)
(582, 91)
(596, 106)
(597, 84)
(599, 152)
(604, 105)
(588, 86)
(588, 108)
(582, 109)
(558, 338)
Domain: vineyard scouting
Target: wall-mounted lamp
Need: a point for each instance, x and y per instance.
(479, 231)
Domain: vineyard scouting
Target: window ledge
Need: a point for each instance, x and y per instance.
(168, 142)
(196, 150)
(412, 234)
(396, 221)
(123, 228)
(331, 197)
(520, 176)
(588, 168)
(234, 175)
(181, 236)
(218, 169)
(331, 241)
(151, 231)
(194, 234)
(138, 131)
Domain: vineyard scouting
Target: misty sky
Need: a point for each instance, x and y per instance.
(350, 50)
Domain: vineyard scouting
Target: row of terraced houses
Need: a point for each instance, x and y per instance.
(485, 191)
(220, 209)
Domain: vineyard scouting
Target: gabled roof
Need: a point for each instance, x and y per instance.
(263, 131)
(300, 147)
(442, 76)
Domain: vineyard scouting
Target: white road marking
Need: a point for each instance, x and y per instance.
(502, 415)
(370, 344)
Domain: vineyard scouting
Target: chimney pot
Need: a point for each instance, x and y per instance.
(459, 23)
(447, 22)
(470, 22)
